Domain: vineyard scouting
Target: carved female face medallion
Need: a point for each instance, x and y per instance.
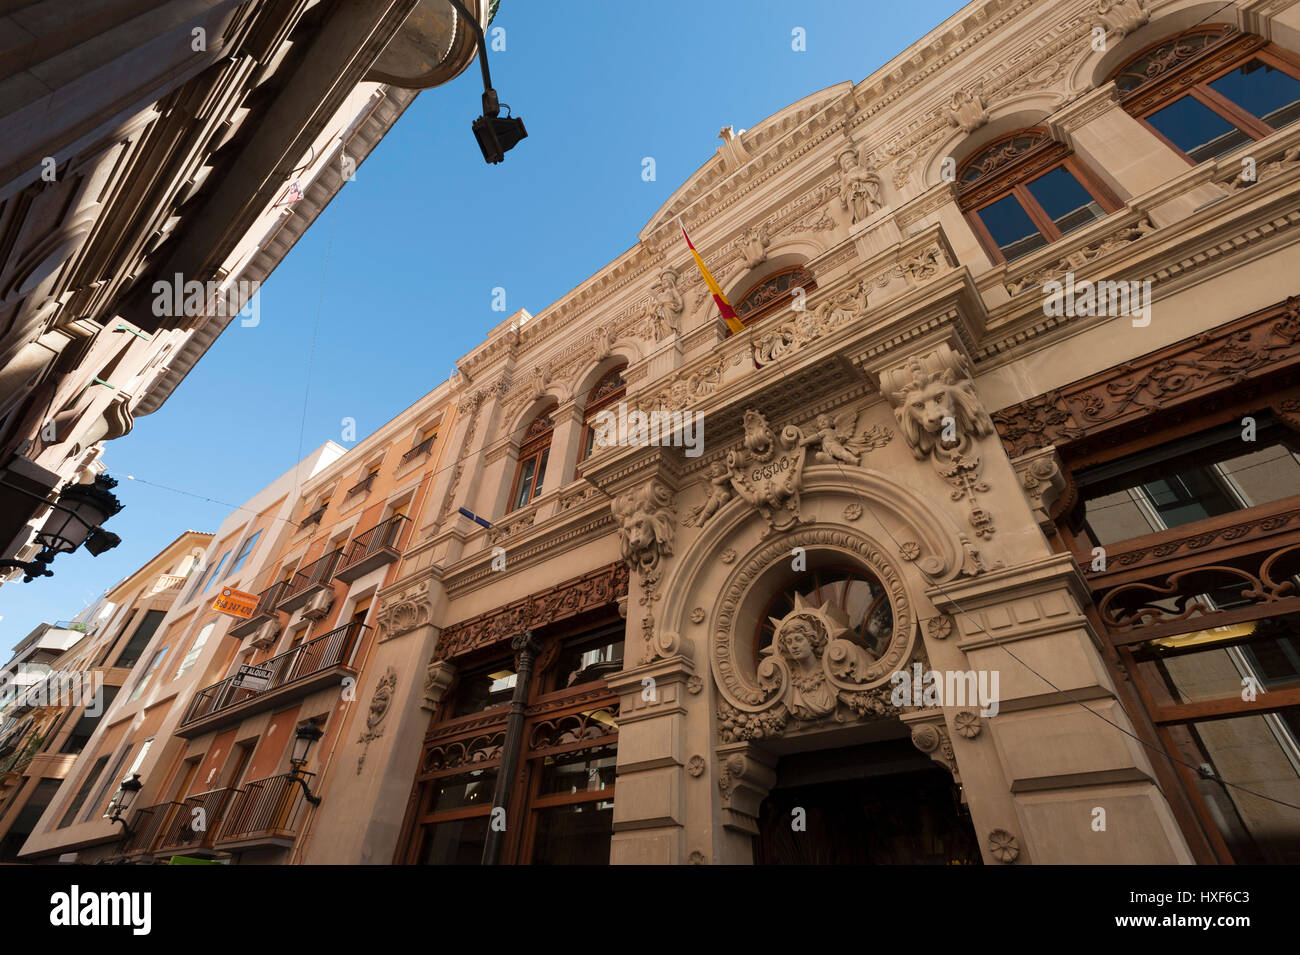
(816, 667)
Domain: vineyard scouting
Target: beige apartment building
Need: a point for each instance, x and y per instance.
(158, 160)
(80, 668)
(951, 555)
(179, 654)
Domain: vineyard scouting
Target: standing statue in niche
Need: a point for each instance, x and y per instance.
(859, 187)
(666, 305)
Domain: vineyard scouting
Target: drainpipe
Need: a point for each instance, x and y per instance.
(525, 647)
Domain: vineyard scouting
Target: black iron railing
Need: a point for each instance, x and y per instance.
(424, 447)
(265, 807)
(319, 571)
(197, 820)
(378, 538)
(321, 653)
(268, 598)
(147, 826)
(362, 485)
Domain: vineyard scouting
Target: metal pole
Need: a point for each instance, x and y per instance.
(525, 647)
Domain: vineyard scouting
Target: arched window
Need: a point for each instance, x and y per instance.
(534, 450)
(773, 293)
(1025, 190)
(609, 390)
(1211, 90)
(859, 595)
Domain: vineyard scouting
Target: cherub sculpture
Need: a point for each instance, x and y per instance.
(845, 439)
(720, 478)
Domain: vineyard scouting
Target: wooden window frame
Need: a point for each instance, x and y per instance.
(1193, 78)
(545, 703)
(593, 408)
(533, 450)
(775, 304)
(1013, 180)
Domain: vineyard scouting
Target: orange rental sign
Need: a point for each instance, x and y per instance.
(236, 603)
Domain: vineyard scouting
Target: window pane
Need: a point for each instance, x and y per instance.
(481, 689)
(1190, 496)
(1190, 479)
(1197, 130)
(1257, 754)
(541, 472)
(585, 660)
(469, 789)
(1263, 91)
(585, 771)
(590, 443)
(1011, 228)
(454, 843)
(1065, 200)
(525, 483)
(574, 835)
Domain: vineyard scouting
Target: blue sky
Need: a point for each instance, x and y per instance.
(399, 269)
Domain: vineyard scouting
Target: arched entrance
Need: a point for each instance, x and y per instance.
(877, 804)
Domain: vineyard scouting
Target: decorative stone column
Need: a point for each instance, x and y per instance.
(1062, 743)
(566, 446)
(659, 669)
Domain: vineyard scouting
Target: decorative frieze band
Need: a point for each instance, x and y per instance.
(588, 592)
(1263, 343)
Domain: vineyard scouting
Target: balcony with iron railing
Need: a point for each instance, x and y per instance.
(372, 549)
(308, 581)
(147, 828)
(265, 610)
(420, 450)
(194, 825)
(362, 486)
(265, 813)
(307, 667)
(314, 517)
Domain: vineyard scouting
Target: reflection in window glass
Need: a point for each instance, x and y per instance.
(585, 771)
(1197, 130)
(483, 688)
(592, 659)
(1257, 754)
(1263, 91)
(574, 835)
(459, 842)
(467, 789)
(1011, 228)
(1204, 475)
(1065, 200)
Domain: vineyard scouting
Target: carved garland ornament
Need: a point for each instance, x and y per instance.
(811, 672)
(380, 701)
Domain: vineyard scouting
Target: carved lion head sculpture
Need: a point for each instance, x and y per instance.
(645, 526)
(937, 408)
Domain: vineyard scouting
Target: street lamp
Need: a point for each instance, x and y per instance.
(125, 796)
(306, 735)
(75, 520)
(496, 134)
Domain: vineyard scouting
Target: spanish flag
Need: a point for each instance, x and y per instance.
(728, 313)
